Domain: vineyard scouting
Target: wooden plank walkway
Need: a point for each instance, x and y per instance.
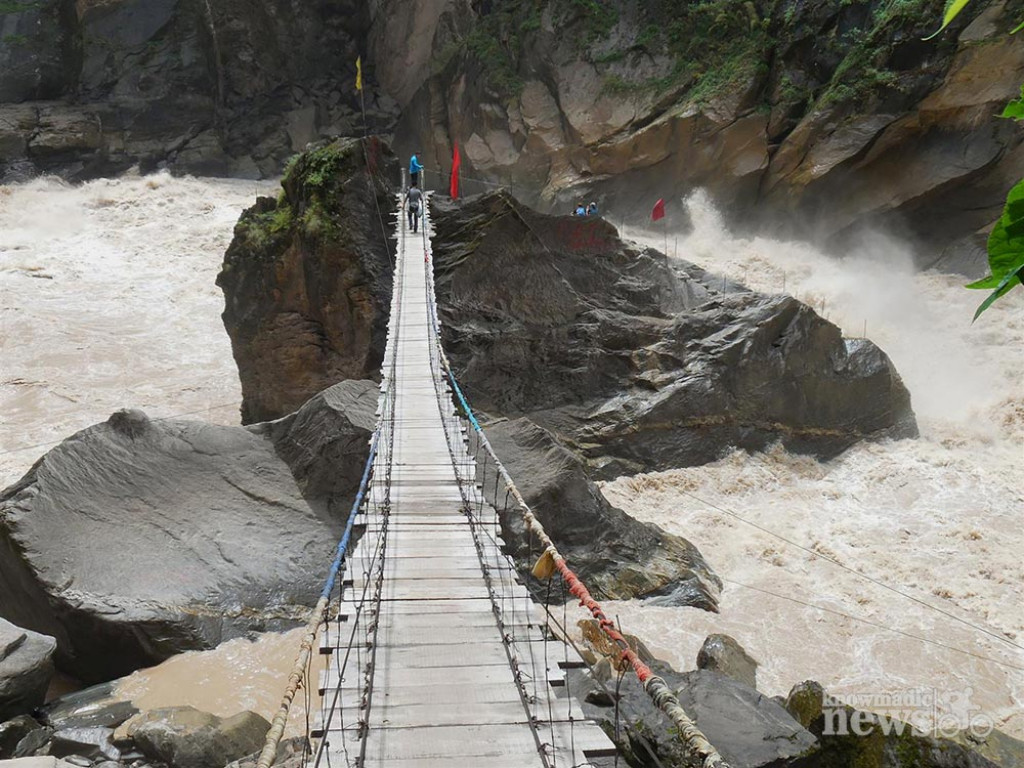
(452, 664)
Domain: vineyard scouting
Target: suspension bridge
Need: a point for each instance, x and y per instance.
(425, 648)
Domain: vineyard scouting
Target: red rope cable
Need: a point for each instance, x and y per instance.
(579, 590)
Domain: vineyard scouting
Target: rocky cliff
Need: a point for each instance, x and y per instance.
(307, 278)
(807, 117)
(93, 87)
(639, 364)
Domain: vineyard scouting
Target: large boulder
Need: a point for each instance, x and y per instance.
(617, 556)
(749, 729)
(307, 278)
(136, 539)
(26, 665)
(184, 737)
(637, 364)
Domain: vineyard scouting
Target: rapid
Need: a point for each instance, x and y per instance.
(107, 300)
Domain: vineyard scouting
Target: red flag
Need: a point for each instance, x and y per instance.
(453, 190)
(659, 210)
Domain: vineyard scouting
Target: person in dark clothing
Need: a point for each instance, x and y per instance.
(413, 202)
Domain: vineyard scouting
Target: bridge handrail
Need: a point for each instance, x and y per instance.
(269, 752)
(551, 560)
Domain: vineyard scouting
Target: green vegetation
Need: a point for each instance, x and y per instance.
(14, 6)
(862, 72)
(712, 44)
(1006, 242)
(15, 40)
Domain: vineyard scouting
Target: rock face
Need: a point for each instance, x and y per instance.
(307, 278)
(722, 654)
(211, 88)
(842, 746)
(617, 556)
(749, 729)
(806, 116)
(238, 520)
(26, 665)
(38, 48)
(638, 365)
(183, 737)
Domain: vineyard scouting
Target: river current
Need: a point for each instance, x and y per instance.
(107, 300)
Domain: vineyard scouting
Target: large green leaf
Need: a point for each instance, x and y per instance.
(1015, 109)
(1012, 279)
(1005, 250)
(1006, 243)
(952, 11)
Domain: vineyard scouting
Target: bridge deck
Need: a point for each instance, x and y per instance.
(447, 638)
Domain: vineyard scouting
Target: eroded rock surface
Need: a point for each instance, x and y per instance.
(639, 365)
(616, 556)
(95, 87)
(26, 665)
(136, 539)
(811, 118)
(307, 279)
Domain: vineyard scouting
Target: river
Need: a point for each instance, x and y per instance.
(107, 300)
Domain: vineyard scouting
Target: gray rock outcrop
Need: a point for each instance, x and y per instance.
(184, 737)
(26, 666)
(94, 87)
(136, 539)
(307, 278)
(638, 364)
(722, 654)
(810, 118)
(617, 556)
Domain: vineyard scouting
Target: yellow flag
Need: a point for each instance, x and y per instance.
(359, 73)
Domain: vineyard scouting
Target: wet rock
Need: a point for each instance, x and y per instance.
(850, 738)
(13, 731)
(307, 278)
(721, 653)
(90, 707)
(33, 742)
(36, 762)
(636, 364)
(748, 729)
(26, 665)
(183, 737)
(618, 557)
(92, 743)
(235, 530)
(805, 701)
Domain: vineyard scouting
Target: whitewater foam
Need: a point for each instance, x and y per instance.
(938, 517)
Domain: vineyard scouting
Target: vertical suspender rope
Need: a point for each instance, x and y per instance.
(551, 560)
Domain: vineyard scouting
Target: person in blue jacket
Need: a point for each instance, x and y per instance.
(414, 170)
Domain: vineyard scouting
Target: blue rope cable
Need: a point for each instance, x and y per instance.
(342, 548)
